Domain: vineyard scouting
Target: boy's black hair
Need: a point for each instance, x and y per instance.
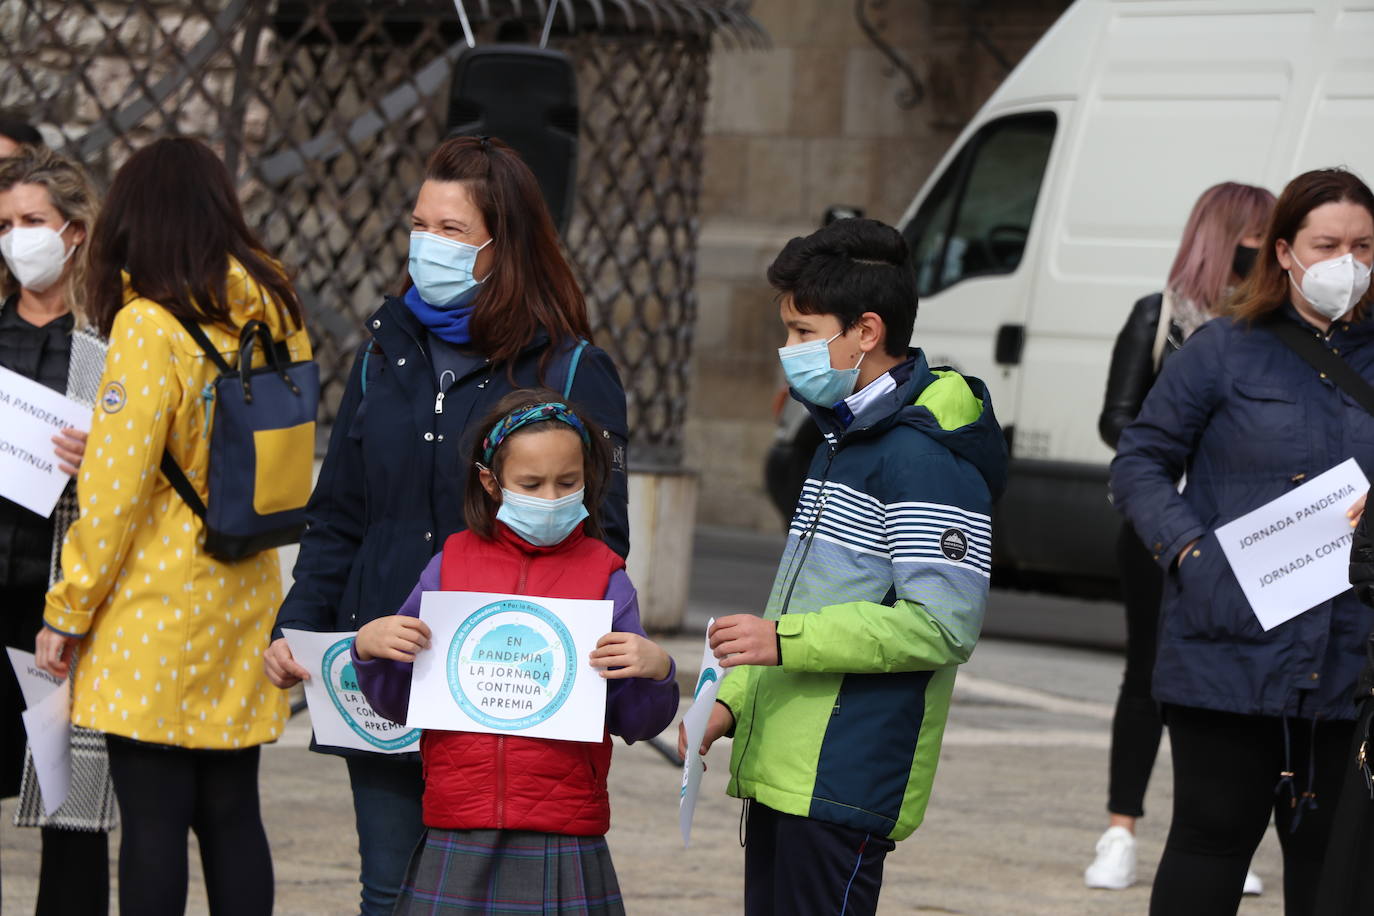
(19, 131)
(847, 268)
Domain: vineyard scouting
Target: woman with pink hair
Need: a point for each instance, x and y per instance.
(1218, 248)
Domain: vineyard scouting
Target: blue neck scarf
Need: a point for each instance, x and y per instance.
(451, 323)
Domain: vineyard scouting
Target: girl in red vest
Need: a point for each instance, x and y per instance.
(515, 822)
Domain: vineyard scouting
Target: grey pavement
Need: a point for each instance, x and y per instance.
(1016, 809)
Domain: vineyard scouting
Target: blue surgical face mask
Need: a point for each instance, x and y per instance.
(442, 268)
(808, 370)
(541, 522)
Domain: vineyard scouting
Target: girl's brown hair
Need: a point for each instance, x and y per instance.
(531, 287)
(72, 194)
(1267, 288)
(479, 508)
(172, 220)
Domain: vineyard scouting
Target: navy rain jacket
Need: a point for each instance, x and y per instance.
(390, 491)
(1248, 420)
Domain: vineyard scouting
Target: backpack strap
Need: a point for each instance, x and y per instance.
(170, 469)
(569, 369)
(198, 335)
(1166, 318)
(1317, 355)
(177, 478)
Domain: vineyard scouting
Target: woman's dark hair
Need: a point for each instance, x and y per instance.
(479, 509)
(20, 131)
(172, 220)
(531, 286)
(1266, 289)
(847, 268)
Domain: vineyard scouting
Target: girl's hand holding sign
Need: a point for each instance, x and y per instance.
(395, 637)
(630, 655)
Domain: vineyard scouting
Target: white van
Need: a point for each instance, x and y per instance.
(1063, 201)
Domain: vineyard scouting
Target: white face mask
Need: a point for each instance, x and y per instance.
(35, 255)
(1332, 287)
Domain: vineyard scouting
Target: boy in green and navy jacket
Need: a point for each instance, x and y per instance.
(840, 692)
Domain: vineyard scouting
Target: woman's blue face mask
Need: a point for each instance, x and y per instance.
(442, 268)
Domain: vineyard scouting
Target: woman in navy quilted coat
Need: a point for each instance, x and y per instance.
(1259, 720)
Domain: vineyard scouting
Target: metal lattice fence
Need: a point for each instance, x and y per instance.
(325, 110)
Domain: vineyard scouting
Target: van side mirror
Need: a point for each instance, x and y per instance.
(840, 211)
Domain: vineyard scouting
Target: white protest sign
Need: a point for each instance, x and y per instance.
(47, 720)
(510, 665)
(1293, 553)
(339, 713)
(30, 415)
(704, 698)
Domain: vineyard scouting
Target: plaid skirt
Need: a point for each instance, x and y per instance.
(500, 872)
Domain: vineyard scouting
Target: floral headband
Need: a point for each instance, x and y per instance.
(526, 416)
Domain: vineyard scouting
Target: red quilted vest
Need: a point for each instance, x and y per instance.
(475, 781)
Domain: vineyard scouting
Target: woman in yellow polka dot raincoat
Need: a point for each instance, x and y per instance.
(167, 640)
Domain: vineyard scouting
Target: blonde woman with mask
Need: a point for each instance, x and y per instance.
(47, 206)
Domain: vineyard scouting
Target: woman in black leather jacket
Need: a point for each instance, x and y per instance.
(1218, 247)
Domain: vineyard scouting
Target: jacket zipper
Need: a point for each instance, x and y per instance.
(810, 534)
(501, 739)
(500, 782)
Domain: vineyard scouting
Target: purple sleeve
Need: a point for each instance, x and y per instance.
(385, 682)
(636, 708)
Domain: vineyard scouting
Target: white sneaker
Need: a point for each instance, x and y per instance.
(1114, 867)
(1253, 885)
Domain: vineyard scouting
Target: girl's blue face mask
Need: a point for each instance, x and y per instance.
(442, 268)
(808, 370)
(541, 522)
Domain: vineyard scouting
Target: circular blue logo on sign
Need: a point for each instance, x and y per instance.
(341, 683)
(511, 665)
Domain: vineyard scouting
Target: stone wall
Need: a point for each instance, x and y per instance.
(815, 121)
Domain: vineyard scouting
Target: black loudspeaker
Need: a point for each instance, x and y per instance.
(527, 97)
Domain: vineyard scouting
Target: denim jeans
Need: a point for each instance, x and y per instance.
(386, 803)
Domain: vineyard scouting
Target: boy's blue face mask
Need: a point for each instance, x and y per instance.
(541, 522)
(442, 268)
(808, 370)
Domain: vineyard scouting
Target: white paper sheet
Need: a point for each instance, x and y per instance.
(47, 720)
(34, 683)
(48, 723)
(339, 713)
(30, 415)
(510, 665)
(704, 698)
(1292, 554)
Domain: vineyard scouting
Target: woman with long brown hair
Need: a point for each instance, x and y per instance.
(1259, 718)
(490, 306)
(171, 638)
